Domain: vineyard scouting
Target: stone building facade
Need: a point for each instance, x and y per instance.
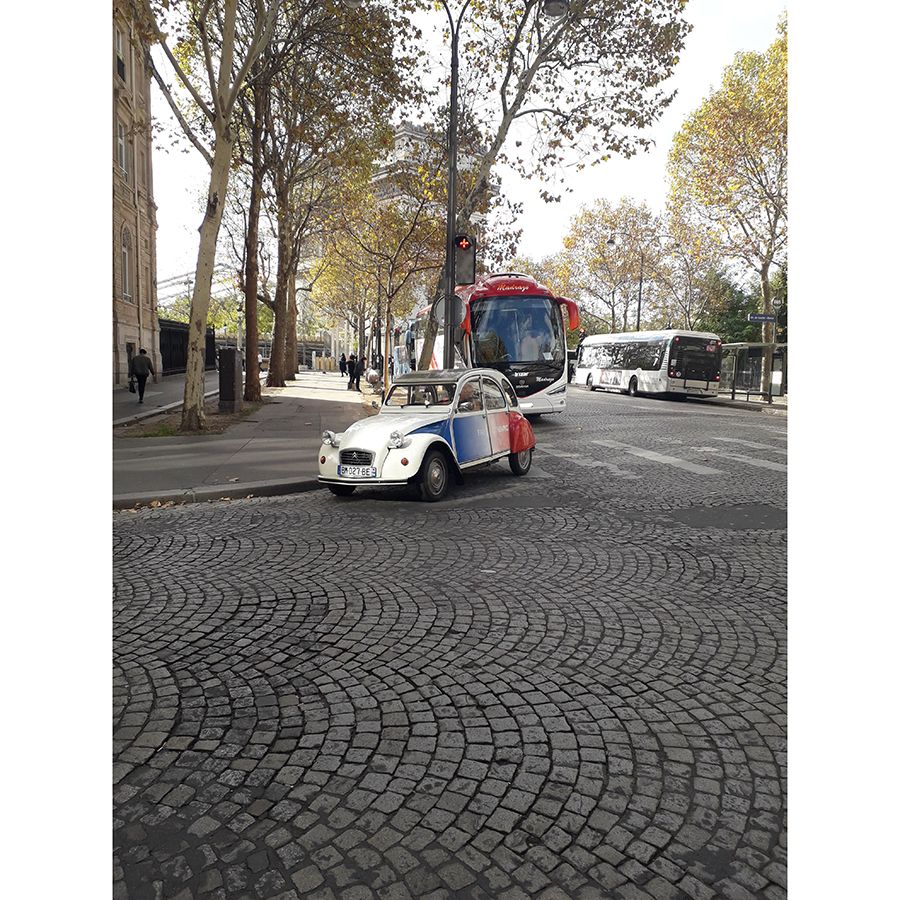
(135, 320)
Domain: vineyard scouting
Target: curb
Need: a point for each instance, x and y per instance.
(775, 409)
(147, 413)
(215, 492)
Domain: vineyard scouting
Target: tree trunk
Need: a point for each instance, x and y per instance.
(361, 333)
(290, 339)
(252, 389)
(431, 329)
(276, 376)
(192, 417)
(768, 331)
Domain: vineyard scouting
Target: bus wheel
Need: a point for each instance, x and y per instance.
(589, 384)
(342, 490)
(433, 477)
(632, 387)
(520, 462)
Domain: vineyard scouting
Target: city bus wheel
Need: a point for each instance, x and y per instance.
(589, 384)
(632, 387)
(434, 476)
(342, 490)
(520, 462)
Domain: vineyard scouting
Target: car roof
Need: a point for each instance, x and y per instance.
(442, 376)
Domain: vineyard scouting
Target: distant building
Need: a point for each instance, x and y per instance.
(135, 321)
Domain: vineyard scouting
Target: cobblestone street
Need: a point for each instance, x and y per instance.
(567, 685)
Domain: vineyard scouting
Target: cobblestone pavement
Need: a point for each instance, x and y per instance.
(566, 685)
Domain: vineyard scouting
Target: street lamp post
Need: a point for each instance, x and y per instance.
(554, 9)
(452, 146)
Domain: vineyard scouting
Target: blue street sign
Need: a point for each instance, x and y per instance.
(760, 317)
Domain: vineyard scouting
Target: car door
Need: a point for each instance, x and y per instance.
(497, 416)
(470, 428)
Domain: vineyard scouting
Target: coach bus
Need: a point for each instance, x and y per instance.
(651, 362)
(515, 325)
(511, 323)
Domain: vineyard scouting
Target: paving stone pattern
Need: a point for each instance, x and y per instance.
(570, 685)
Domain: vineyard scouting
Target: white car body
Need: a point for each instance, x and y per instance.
(469, 437)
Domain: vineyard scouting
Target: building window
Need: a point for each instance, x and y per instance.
(123, 152)
(120, 54)
(127, 291)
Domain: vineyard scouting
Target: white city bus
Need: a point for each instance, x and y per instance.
(651, 362)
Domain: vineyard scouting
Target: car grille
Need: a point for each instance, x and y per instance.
(356, 458)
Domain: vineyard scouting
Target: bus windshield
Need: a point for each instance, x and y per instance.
(695, 358)
(517, 330)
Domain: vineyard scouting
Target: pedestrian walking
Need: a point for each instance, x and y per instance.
(360, 370)
(342, 364)
(140, 368)
(351, 370)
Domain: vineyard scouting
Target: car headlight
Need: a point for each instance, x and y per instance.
(395, 441)
(329, 438)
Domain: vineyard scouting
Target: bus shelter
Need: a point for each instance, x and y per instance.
(742, 369)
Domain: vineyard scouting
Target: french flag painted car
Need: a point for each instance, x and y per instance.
(432, 426)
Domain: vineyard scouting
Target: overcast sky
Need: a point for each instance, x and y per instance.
(721, 29)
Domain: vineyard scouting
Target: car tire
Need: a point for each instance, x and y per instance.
(520, 462)
(633, 387)
(342, 490)
(589, 384)
(434, 476)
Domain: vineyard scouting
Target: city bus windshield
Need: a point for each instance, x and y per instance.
(695, 358)
(517, 330)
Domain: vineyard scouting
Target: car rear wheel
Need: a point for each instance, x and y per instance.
(520, 462)
(632, 387)
(434, 476)
(342, 490)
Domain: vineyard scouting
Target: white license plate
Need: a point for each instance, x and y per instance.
(357, 471)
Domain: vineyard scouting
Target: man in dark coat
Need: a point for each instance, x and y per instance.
(141, 367)
(351, 368)
(342, 364)
(359, 370)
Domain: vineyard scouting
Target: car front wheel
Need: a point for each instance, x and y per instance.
(520, 462)
(342, 490)
(434, 476)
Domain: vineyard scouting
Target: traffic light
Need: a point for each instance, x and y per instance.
(465, 258)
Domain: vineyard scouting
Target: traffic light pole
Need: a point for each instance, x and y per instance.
(452, 143)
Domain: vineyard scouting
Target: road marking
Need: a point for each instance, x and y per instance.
(758, 463)
(750, 444)
(653, 456)
(590, 463)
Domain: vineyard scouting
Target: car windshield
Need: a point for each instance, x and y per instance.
(422, 395)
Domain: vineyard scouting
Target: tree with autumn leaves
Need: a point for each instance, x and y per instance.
(555, 93)
(728, 168)
(303, 86)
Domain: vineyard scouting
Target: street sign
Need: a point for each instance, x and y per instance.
(760, 317)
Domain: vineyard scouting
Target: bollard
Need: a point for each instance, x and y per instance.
(231, 382)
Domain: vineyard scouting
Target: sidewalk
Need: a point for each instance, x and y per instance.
(157, 396)
(272, 452)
